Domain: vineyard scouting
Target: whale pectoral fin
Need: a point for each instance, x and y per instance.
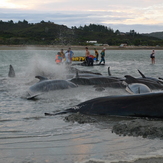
(49, 114)
(41, 78)
(53, 114)
(77, 74)
(33, 97)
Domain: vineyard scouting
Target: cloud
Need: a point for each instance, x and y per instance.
(141, 15)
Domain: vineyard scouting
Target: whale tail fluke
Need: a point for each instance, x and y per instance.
(53, 114)
(11, 72)
(70, 110)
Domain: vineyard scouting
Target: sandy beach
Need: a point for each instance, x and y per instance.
(146, 128)
(74, 47)
(140, 160)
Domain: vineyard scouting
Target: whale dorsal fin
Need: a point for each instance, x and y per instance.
(41, 78)
(130, 79)
(11, 72)
(109, 73)
(77, 74)
(141, 74)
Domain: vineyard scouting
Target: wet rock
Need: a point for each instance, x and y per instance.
(139, 127)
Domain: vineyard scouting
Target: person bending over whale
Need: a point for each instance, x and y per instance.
(89, 57)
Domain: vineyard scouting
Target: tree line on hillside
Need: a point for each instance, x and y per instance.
(49, 33)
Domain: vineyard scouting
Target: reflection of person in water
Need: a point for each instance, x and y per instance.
(152, 56)
(102, 56)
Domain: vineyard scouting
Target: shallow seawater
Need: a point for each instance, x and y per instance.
(26, 135)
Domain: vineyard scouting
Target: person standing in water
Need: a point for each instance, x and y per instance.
(89, 58)
(96, 54)
(58, 58)
(71, 54)
(152, 56)
(62, 54)
(87, 53)
(68, 57)
(102, 56)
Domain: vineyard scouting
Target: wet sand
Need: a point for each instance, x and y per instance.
(144, 127)
(144, 160)
(74, 47)
(140, 160)
(122, 126)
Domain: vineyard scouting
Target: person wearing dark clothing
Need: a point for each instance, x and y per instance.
(102, 56)
(152, 56)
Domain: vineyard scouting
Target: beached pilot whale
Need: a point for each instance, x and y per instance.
(11, 72)
(143, 105)
(93, 80)
(105, 81)
(158, 80)
(152, 84)
(46, 85)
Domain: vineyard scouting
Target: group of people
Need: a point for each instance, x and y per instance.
(64, 57)
(89, 59)
(67, 57)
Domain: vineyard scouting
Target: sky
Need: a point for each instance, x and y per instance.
(142, 16)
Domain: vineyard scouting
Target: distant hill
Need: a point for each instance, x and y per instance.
(155, 34)
(49, 33)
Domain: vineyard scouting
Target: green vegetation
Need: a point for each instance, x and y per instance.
(155, 34)
(49, 33)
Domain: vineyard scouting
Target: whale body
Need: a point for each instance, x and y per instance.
(152, 84)
(142, 105)
(46, 85)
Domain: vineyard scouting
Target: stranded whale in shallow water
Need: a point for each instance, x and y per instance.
(46, 85)
(142, 105)
(105, 81)
(152, 84)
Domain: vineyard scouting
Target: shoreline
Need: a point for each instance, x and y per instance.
(74, 47)
(137, 127)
